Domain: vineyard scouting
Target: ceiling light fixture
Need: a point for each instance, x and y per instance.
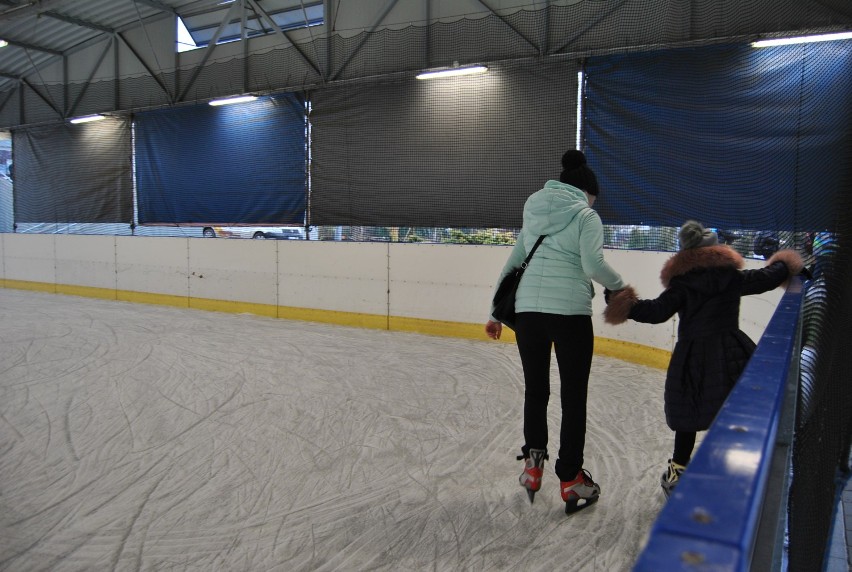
(802, 39)
(453, 71)
(230, 100)
(87, 119)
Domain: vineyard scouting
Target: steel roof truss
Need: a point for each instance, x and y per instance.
(91, 76)
(209, 50)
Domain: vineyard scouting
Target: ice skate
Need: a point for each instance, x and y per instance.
(530, 479)
(671, 477)
(580, 492)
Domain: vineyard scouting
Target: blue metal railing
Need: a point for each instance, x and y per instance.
(734, 490)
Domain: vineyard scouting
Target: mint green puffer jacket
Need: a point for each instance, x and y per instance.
(558, 278)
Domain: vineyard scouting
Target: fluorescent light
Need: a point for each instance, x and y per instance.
(230, 100)
(451, 72)
(87, 118)
(802, 39)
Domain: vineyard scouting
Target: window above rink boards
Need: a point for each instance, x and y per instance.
(196, 29)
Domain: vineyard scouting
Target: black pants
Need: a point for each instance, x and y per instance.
(683, 445)
(572, 339)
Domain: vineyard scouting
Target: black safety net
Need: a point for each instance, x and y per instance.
(73, 173)
(450, 152)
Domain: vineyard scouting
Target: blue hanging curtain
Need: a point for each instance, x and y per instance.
(734, 136)
(232, 164)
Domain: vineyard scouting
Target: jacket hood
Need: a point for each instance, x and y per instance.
(705, 257)
(552, 208)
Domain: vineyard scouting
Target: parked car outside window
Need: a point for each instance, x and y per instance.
(270, 232)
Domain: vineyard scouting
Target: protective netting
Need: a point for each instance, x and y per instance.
(679, 116)
(73, 173)
(454, 152)
(821, 447)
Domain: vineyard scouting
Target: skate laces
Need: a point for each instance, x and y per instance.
(583, 476)
(522, 458)
(675, 472)
(581, 487)
(533, 469)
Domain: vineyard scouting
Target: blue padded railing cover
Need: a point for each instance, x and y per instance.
(711, 520)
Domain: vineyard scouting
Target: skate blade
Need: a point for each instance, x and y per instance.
(575, 505)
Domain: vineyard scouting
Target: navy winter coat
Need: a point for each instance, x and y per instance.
(704, 286)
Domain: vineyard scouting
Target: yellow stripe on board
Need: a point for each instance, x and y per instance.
(150, 298)
(27, 285)
(86, 291)
(627, 351)
(634, 353)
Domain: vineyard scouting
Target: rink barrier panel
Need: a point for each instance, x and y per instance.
(437, 289)
(737, 480)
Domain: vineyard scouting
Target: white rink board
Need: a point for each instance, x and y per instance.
(337, 276)
(156, 265)
(447, 282)
(234, 270)
(451, 283)
(85, 260)
(29, 258)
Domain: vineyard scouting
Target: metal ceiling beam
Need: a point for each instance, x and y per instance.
(366, 37)
(8, 97)
(209, 50)
(78, 22)
(146, 66)
(156, 5)
(277, 29)
(26, 46)
(41, 96)
(28, 8)
(511, 27)
(600, 18)
(95, 67)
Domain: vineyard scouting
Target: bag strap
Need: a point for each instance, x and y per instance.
(530, 255)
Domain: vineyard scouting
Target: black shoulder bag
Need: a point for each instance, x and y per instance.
(504, 298)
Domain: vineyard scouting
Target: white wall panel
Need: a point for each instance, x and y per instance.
(433, 282)
(236, 270)
(157, 265)
(85, 260)
(444, 282)
(30, 257)
(345, 277)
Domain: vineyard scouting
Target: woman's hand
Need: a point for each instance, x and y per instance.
(493, 329)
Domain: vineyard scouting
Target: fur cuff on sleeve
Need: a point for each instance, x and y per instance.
(619, 306)
(789, 257)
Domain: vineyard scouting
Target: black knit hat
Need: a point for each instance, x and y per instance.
(577, 173)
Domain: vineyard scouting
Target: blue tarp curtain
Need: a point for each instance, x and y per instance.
(235, 164)
(734, 136)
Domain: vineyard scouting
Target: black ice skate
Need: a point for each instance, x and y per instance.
(671, 477)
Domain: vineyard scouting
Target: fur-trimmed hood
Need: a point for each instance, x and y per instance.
(718, 261)
(703, 257)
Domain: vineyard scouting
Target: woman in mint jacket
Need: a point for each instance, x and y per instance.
(554, 309)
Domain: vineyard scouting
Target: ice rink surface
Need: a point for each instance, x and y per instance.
(136, 437)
